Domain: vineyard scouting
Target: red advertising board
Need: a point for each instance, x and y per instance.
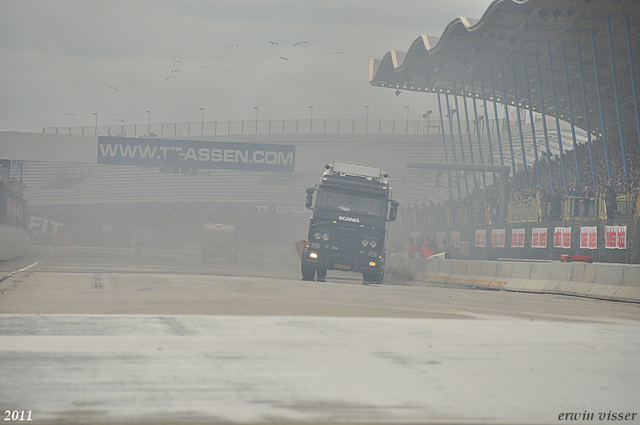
(615, 237)
(517, 238)
(539, 237)
(481, 238)
(589, 237)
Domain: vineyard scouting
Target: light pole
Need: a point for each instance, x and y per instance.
(407, 129)
(256, 108)
(426, 115)
(311, 119)
(202, 129)
(366, 124)
(96, 114)
(148, 123)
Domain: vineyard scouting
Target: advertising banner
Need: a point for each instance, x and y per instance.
(589, 237)
(441, 237)
(455, 238)
(539, 237)
(517, 238)
(562, 237)
(15, 211)
(497, 238)
(152, 152)
(615, 237)
(481, 238)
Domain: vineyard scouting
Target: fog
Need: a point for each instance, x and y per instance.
(75, 63)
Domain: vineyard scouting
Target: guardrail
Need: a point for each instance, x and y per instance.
(620, 282)
(420, 126)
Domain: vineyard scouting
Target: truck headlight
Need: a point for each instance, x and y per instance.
(325, 237)
(317, 235)
(373, 244)
(365, 242)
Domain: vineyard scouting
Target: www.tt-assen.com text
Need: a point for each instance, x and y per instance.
(202, 154)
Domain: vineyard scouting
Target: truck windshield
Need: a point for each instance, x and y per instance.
(349, 202)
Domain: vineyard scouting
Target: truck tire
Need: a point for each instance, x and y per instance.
(322, 273)
(308, 272)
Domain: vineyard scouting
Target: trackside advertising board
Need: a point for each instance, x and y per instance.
(196, 154)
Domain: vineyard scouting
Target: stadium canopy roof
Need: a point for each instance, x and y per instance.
(508, 41)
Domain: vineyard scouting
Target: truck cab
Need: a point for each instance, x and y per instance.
(348, 228)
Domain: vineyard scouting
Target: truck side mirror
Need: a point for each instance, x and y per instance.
(393, 211)
(309, 201)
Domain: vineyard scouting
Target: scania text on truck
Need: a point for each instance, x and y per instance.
(349, 224)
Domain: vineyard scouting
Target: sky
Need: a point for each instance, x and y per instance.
(63, 60)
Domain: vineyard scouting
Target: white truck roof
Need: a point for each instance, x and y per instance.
(356, 170)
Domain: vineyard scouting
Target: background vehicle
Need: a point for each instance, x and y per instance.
(348, 228)
(219, 239)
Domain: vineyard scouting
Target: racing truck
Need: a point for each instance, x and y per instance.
(348, 227)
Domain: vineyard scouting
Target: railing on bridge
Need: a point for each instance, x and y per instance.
(305, 126)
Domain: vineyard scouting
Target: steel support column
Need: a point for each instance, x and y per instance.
(632, 75)
(524, 153)
(573, 128)
(617, 100)
(600, 107)
(556, 114)
(594, 181)
(506, 115)
(444, 143)
(478, 132)
(486, 119)
(455, 99)
(466, 116)
(497, 120)
(544, 123)
(453, 143)
(533, 126)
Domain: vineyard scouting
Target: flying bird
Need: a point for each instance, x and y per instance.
(204, 66)
(122, 121)
(169, 77)
(111, 87)
(336, 53)
(283, 58)
(233, 46)
(68, 114)
(177, 60)
(300, 42)
(272, 42)
(229, 69)
(176, 70)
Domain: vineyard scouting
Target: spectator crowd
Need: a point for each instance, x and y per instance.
(609, 183)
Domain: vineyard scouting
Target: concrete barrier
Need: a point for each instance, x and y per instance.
(620, 282)
(13, 243)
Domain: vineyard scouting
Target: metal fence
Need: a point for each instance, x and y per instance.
(305, 126)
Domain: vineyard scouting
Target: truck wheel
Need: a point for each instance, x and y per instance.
(308, 272)
(322, 273)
